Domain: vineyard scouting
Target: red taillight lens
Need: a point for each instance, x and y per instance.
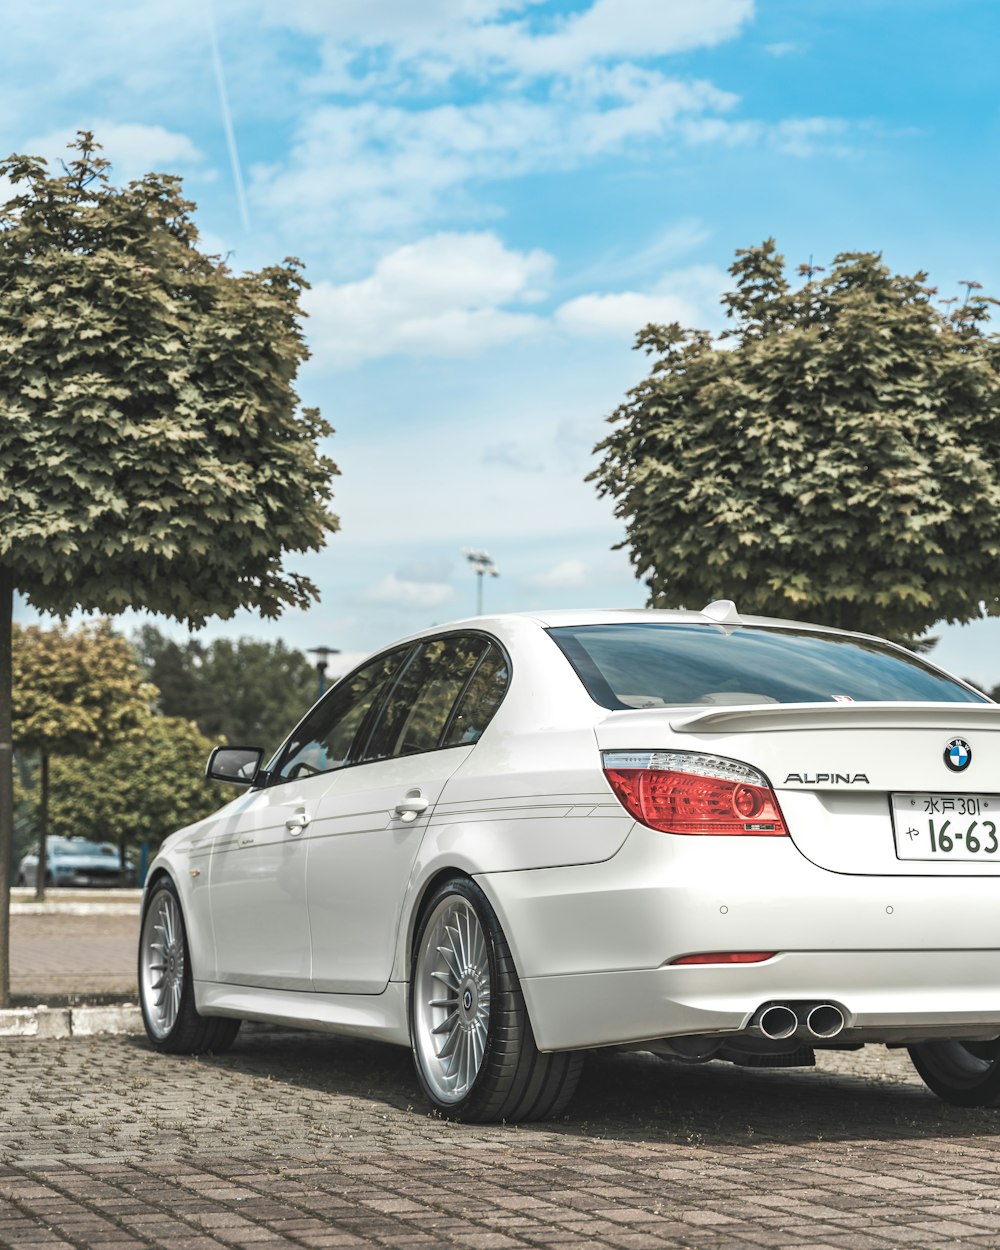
(683, 792)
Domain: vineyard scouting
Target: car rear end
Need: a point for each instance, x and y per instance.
(801, 871)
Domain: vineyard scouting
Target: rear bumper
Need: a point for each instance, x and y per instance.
(886, 996)
(907, 958)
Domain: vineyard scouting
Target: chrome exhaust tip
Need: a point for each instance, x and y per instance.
(825, 1021)
(776, 1022)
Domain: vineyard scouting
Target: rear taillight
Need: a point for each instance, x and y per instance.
(684, 792)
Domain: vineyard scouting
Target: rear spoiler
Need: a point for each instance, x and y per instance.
(784, 717)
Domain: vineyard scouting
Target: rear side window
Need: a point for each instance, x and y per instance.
(641, 665)
(420, 703)
(480, 700)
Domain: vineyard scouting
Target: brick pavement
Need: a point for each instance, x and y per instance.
(303, 1140)
(59, 953)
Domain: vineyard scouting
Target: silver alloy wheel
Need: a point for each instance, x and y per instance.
(162, 963)
(451, 1008)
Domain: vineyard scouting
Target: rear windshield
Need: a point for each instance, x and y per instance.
(644, 665)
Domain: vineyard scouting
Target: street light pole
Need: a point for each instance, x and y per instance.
(482, 564)
(323, 655)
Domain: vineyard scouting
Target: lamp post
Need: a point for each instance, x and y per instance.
(482, 564)
(322, 657)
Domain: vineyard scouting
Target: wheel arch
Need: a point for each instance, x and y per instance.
(419, 908)
(416, 912)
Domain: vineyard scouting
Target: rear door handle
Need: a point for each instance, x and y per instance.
(295, 824)
(412, 805)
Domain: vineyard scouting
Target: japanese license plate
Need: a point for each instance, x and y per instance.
(957, 827)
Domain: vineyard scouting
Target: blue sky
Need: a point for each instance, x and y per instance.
(490, 198)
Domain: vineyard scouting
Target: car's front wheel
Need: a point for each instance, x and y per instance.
(473, 1047)
(964, 1073)
(166, 988)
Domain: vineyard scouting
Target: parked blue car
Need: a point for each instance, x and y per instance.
(77, 862)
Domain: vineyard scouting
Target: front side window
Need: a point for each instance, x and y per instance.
(324, 739)
(642, 665)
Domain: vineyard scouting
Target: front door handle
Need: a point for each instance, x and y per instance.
(414, 804)
(295, 824)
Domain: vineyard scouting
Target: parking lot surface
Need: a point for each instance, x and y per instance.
(296, 1139)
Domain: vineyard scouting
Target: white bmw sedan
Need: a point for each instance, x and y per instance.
(512, 839)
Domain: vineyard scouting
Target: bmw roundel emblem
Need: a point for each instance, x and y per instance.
(958, 755)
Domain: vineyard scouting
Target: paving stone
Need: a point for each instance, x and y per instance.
(299, 1140)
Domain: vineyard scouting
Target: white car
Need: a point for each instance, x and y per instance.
(506, 841)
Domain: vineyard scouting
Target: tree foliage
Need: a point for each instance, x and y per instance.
(140, 790)
(835, 458)
(152, 450)
(76, 691)
(246, 691)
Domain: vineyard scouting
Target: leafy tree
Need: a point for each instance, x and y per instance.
(143, 788)
(836, 458)
(247, 692)
(152, 450)
(75, 693)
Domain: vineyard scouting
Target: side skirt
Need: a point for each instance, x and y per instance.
(381, 1017)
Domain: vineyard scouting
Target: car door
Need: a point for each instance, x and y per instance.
(258, 891)
(375, 813)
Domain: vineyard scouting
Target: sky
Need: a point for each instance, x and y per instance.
(490, 198)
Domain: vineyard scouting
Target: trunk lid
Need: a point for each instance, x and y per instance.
(865, 788)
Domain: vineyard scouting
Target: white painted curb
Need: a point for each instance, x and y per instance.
(41, 1021)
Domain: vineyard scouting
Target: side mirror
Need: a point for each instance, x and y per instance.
(237, 765)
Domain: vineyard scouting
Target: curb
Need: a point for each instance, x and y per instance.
(41, 1021)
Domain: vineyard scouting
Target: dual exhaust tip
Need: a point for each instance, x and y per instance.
(809, 1021)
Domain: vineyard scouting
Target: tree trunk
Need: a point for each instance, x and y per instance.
(6, 777)
(42, 871)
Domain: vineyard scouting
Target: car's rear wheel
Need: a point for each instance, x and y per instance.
(473, 1047)
(964, 1073)
(166, 988)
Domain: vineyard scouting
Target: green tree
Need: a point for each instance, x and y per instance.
(836, 458)
(75, 693)
(246, 691)
(139, 790)
(152, 449)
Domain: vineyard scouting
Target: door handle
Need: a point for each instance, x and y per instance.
(295, 824)
(411, 806)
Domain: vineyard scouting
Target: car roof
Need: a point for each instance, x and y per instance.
(720, 612)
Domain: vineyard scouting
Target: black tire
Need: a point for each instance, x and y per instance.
(966, 1074)
(473, 1048)
(166, 986)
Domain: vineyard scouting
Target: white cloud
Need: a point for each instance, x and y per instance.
(565, 575)
(376, 169)
(441, 38)
(690, 296)
(805, 136)
(460, 294)
(132, 149)
(511, 455)
(395, 590)
(443, 295)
